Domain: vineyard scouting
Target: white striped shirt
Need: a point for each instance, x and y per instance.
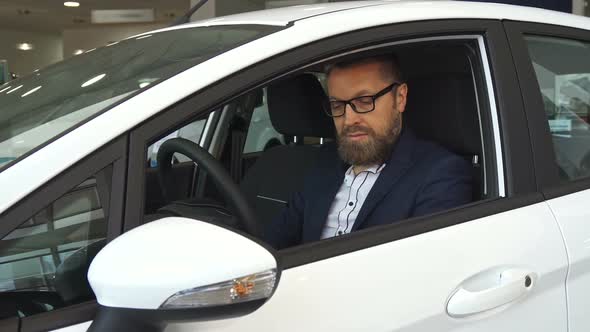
(349, 200)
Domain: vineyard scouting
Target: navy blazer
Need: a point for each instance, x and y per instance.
(419, 178)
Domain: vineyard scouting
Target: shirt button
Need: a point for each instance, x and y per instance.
(350, 203)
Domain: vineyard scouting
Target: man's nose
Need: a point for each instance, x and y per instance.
(350, 116)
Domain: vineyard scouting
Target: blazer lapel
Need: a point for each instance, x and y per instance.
(397, 165)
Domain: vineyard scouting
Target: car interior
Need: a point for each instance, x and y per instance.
(445, 105)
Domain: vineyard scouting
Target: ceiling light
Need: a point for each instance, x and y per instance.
(25, 46)
(72, 4)
(78, 52)
(143, 37)
(6, 88)
(31, 91)
(109, 16)
(93, 80)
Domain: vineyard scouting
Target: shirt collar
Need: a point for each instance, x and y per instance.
(375, 169)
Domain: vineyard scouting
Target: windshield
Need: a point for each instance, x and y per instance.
(45, 104)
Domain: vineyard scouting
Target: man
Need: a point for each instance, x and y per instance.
(380, 174)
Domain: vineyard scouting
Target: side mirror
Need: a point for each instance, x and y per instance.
(178, 269)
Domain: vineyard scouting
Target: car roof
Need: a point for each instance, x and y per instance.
(277, 16)
(285, 15)
(393, 11)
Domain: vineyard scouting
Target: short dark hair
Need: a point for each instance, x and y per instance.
(391, 60)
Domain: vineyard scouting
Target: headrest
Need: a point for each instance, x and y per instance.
(296, 107)
(443, 108)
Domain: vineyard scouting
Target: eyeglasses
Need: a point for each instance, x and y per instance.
(362, 104)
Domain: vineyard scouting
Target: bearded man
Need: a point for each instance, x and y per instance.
(381, 173)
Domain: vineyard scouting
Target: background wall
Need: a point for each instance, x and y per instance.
(207, 11)
(559, 5)
(228, 7)
(48, 50)
(578, 7)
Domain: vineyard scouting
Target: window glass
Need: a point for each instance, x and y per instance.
(192, 132)
(40, 106)
(44, 262)
(563, 74)
(261, 134)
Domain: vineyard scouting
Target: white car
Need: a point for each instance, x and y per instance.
(183, 252)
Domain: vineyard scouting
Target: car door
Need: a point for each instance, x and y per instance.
(553, 63)
(498, 264)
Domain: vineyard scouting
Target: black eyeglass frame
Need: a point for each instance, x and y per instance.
(353, 107)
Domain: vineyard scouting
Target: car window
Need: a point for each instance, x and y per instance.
(563, 75)
(44, 261)
(41, 106)
(261, 134)
(270, 177)
(192, 132)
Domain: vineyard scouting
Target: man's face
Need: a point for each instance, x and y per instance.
(367, 139)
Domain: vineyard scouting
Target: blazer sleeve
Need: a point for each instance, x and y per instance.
(448, 185)
(285, 230)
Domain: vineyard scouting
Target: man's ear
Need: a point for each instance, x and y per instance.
(401, 97)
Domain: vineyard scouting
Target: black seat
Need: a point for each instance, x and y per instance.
(443, 108)
(296, 109)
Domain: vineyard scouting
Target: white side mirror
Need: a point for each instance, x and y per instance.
(179, 265)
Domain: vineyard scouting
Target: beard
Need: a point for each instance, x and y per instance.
(375, 150)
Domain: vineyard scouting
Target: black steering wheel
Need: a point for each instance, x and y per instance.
(237, 201)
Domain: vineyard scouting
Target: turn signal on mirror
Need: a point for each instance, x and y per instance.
(252, 287)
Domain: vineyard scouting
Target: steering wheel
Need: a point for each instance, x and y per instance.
(237, 200)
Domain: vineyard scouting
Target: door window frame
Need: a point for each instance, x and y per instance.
(516, 154)
(113, 154)
(545, 167)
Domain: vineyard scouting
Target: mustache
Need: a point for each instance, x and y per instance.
(356, 129)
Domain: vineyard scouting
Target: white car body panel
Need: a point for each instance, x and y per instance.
(82, 327)
(573, 216)
(405, 285)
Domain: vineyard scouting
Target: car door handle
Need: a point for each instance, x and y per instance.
(490, 290)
